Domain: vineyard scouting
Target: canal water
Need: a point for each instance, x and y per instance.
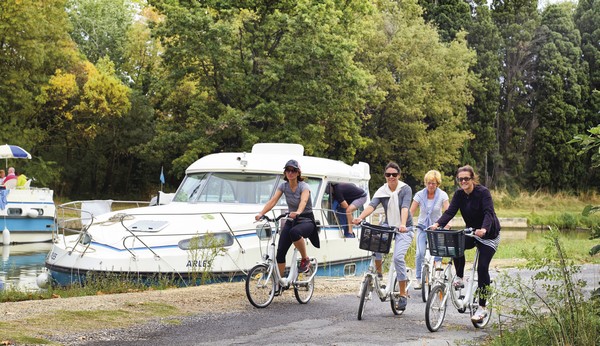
(21, 264)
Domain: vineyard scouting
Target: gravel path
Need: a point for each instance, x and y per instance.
(182, 302)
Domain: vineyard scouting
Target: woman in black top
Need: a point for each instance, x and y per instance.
(477, 209)
(349, 198)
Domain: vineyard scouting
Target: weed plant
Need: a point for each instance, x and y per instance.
(551, 307)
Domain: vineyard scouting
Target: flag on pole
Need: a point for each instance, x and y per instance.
(162, 175)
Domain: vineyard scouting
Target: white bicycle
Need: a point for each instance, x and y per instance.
(448, 243)
(378, 239)
(264, 281)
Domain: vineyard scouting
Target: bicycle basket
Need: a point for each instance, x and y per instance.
(446, 243)
(376, 238)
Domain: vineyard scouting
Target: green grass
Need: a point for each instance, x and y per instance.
(514, 244)
(542, 209)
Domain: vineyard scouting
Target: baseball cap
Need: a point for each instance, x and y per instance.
(293, 164)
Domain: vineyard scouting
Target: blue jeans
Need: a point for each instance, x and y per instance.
(420, 253)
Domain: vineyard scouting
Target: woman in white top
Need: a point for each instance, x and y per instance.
(432, 202)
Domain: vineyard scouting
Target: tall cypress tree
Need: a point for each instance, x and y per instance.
(517, 21)
(484, 38)
(449, 16)
(587, 17)
(561, 84)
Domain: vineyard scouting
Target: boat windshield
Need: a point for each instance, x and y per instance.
(227, 188)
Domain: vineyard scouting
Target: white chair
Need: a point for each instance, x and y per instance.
(11, 184)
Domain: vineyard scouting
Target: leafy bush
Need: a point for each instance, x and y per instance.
(550, 308)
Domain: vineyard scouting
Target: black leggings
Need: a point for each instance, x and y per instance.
(483, 268)
(291, 232)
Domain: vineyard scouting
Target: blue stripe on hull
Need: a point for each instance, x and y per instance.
(27, 224)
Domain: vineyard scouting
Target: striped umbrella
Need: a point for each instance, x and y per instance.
(8, 151)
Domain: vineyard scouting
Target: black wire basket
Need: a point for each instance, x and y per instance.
(446, 243)
(376, 238)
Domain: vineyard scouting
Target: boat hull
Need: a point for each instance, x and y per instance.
(337, 256)
(29, 216)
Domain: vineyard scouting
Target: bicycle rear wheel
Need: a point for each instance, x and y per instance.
(365, 295)
(425, 283)
(435, 309)
(304, 291)
(260, 286)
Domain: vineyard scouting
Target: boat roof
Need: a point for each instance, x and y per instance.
(272, 157)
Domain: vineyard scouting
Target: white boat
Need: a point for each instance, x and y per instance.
(218, 199)
(26, 213)
(28, 216)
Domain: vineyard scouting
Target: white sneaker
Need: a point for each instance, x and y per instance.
(418, 284)
(458, 283)
(480, 314)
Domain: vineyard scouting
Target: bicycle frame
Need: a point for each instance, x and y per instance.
(383, 291)
(461, 302)
(371, 282)
(463, 299)
(264, 278)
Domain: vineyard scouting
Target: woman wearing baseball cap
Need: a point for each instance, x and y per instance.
(302, 225)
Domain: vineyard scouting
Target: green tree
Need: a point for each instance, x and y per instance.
(561, 87)
(449, 16)
(517, 21)
(587, 17)
(100, 27)
(34, 42)
(484, 38)
(425, 84)
(86, 108)
(243, 72)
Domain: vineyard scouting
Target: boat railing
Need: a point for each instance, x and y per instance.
(76, 217)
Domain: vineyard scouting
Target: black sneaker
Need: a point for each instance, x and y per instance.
(304, 265)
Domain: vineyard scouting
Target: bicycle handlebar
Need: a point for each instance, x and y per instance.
(265, 217)
(469, 231)
(390, 228)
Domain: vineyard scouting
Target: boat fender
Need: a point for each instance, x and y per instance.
(42, 280)
(33, 213)
(5, 236)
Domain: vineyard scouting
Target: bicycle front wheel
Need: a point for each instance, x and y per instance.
(260, 286)
(435, 309)
(365, 295)
(304, 291)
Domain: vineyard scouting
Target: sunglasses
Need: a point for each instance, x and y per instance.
(387, 175)
(291, 170)
(462, 179)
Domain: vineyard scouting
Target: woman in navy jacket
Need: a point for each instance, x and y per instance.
(477, 209)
